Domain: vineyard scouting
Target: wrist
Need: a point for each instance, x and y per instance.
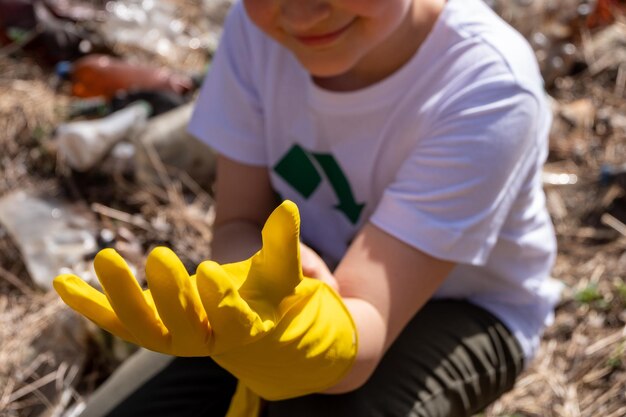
(371, 329)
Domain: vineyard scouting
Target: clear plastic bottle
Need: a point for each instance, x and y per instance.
(84, 143)
(103, 75)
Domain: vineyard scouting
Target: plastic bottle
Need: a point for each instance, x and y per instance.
(84, 143)
(103, 75)
(50, 233)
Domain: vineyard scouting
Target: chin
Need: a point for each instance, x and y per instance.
(325, 69)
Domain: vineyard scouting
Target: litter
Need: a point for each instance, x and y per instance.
(52, 235)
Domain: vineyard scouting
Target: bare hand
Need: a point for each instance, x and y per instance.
(314, 267)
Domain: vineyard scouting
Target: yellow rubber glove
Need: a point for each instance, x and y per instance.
(167, 318)
(281, 334)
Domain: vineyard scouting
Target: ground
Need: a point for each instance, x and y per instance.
(580, 369)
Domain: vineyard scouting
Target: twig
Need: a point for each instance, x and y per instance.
(64, 380)
(121, 216)
(17, 45)
(620, 412)
(588, 52)
(33, 386)
(620, 81)
(59, 380)
(607, 341)
(157, 164)
(601, 400)
(33, 365)
(190, 183)
(15, 281)
(6, 394)
(614, 223)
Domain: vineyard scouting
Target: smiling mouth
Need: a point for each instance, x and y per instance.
(325, 38)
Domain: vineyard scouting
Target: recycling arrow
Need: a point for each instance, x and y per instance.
(298, 169)
(347, 203)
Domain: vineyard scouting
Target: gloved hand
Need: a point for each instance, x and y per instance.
(281, 334)
(167, 318)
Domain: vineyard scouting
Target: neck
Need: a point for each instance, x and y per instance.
(393, 53)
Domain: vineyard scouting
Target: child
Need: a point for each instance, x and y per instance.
(411, 135)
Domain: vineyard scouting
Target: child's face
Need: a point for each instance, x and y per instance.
(332, 37)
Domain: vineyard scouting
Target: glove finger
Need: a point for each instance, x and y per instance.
(129, 301)
(177, 300)
(276, 268)
(238, 272)
(91, 303)
(233, 321)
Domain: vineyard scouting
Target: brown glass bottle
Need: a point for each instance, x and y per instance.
(103, 75)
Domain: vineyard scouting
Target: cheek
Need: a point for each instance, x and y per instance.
(262, 13)
(378, 17)
(371, 8)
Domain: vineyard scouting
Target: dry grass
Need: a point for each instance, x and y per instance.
(580, 370)
(33, 371)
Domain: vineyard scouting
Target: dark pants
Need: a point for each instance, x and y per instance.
(452, 359)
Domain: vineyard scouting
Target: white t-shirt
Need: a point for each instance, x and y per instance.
(445, 154)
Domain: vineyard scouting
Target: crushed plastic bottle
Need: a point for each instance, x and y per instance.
(103, 75)
(84, 143)
(51, 234)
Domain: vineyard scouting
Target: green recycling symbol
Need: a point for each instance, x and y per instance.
(299, 168)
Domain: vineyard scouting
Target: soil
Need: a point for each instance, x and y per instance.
(580, 370)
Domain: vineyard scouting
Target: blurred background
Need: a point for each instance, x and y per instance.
(94, 100)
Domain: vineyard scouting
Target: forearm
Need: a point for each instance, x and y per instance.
(384, 283)
(243, 201)
(235, 241)
(371, 329)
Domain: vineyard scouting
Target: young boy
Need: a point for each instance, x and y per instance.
(411, 134)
